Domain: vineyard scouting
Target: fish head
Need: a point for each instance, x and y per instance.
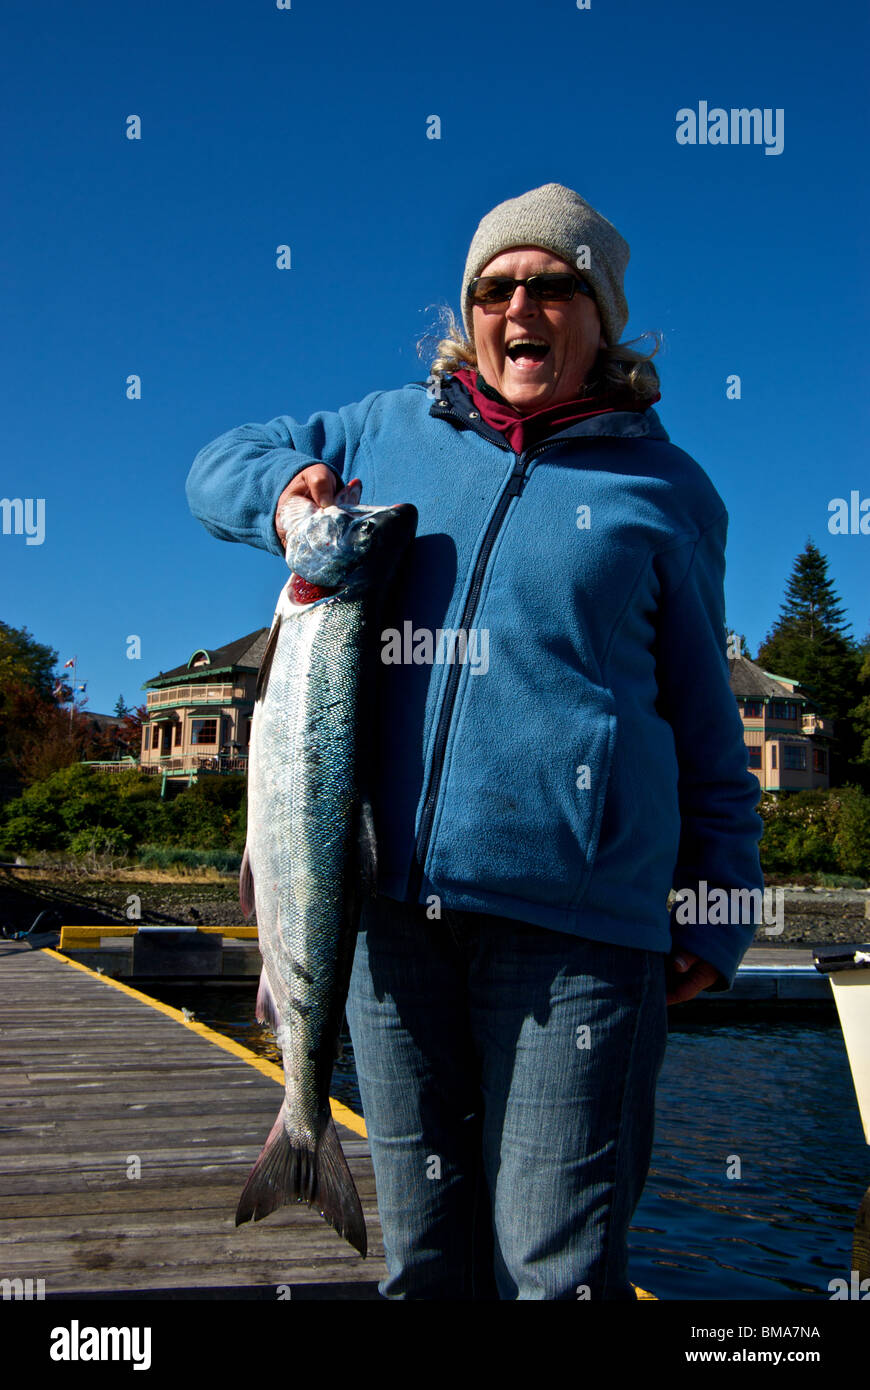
(345, 547)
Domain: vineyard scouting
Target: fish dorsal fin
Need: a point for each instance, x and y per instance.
(266, 663)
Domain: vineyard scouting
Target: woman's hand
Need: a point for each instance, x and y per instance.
(317, 482)
(687, 975)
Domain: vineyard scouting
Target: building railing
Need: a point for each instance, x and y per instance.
(219, 762)
(813, 724)
(193, 695)
(224, 762)
(113, 765)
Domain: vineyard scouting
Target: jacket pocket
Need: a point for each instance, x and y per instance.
(523, 793)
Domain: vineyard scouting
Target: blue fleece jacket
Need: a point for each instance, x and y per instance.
(587, 755)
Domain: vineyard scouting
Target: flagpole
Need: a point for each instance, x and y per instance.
(72, 663)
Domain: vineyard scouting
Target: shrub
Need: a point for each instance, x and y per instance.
(824, 831)
(163, 857)
(79, 808)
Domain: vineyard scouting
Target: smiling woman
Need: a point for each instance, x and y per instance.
(507, 1002)
(536, 351)
(618, 368)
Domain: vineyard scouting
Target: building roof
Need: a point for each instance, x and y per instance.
(103, 720)
(750, 682)
(244, 653)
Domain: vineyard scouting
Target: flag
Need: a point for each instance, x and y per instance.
(69, 663)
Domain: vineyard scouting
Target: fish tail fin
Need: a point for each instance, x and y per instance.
(287, 1172)
(337, 1197)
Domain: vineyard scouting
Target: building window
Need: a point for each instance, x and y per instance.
(145, 740)
(248, 733)
(773, 756)
(820, 760)
(784, 709)
(794, 757)
(204, 731)
(755, 757)
(177, 734)
(752, 709)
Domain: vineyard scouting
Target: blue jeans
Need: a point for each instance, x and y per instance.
(507, 1075)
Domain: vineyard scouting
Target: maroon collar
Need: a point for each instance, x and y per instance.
(522, 430)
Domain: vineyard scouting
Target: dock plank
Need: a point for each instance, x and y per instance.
(90, 1075)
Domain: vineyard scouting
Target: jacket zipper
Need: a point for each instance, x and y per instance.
(513, 488)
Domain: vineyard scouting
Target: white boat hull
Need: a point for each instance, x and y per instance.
(851, 989)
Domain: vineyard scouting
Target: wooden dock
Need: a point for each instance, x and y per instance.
(99, 1083)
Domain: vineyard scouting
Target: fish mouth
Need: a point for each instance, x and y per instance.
(389, 532)
(303, 592)
(408, 515)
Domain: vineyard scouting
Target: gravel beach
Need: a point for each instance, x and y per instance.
(812, 916)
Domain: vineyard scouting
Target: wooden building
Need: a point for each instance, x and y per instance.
(199, 714)
(787, 738)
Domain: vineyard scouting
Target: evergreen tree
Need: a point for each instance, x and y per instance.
(810, 598)
(861, 716)
(121, 707)
(811, 643)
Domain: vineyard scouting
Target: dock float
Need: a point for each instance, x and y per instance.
(767, 975)
(139, 951)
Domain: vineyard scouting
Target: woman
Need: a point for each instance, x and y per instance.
(507, 1003)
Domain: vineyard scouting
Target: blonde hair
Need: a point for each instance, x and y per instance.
(618, 369)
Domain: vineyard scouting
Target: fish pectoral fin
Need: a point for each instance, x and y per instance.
(368, 850)
(349, 495)
(267, 1009)
(246, 885)
(289, 1171)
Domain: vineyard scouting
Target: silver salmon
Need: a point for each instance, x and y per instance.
(309, 857)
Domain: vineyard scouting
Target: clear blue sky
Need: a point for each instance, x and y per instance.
(307, 126)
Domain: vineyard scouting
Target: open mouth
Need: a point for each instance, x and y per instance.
(527, 352)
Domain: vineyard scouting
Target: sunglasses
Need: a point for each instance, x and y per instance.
(548, 289)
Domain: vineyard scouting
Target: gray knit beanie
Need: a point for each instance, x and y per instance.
(557, 219)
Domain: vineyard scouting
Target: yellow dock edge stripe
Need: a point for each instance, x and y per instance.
(340, 1112)
(74, 936)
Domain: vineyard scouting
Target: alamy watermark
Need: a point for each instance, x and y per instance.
(738, 126)
(850, 518)
(24, 516)
(720, 907)
(856, 1288)
(22, 1290)
(422, 646)
(77, 1343)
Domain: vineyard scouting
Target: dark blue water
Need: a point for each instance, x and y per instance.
(775, 1095)
(779, 1096)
